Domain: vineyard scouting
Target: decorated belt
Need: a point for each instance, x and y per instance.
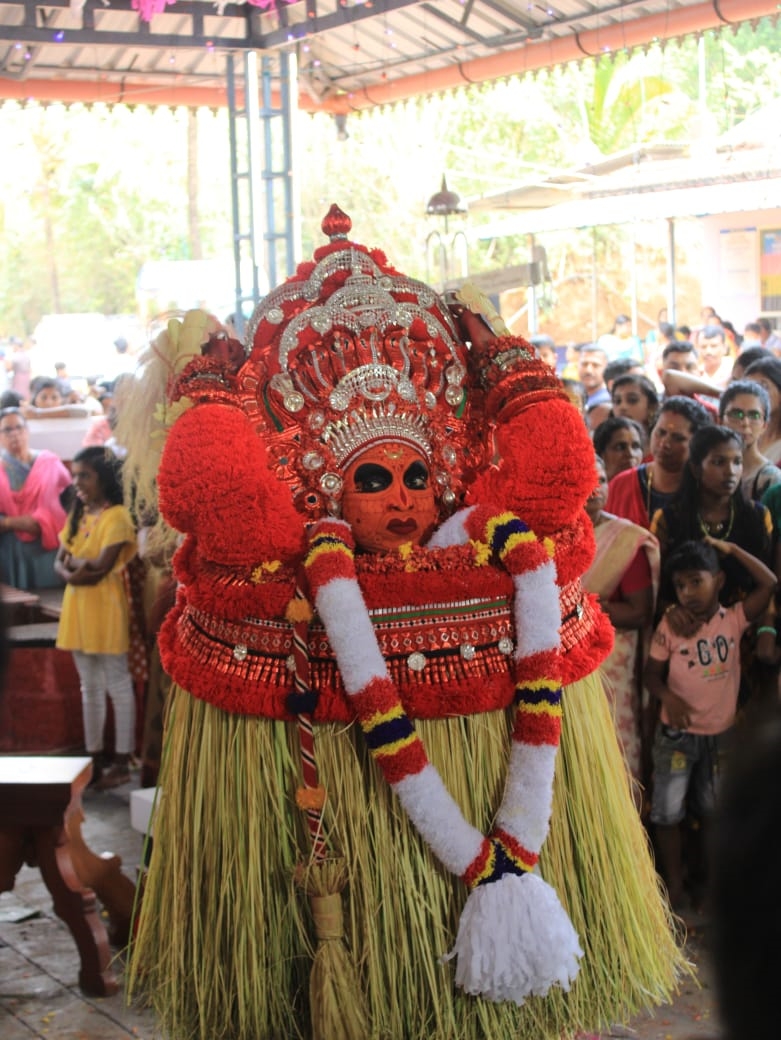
(433, 644)
(578, 615)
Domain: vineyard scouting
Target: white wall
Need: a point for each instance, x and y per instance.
(730, 272)
(63, 436)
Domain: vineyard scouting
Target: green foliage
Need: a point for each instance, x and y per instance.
(90, 212)
(89, 196)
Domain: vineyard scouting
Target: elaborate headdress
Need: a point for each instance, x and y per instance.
(346, 353)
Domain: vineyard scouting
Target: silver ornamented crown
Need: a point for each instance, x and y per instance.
(350, 352)
(380, 425)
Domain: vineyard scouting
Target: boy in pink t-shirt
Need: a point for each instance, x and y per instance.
(694, 670)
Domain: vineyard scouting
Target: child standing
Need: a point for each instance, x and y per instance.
(96, 544)
(696, 677)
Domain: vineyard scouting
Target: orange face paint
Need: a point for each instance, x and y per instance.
(388, 498)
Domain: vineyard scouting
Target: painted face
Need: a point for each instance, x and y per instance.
(722, 469)
(670, 441)
(623, 451)
(744, 414)
(630, 401)
(698, 591)
(388, 499)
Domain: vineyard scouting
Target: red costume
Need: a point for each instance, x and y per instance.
(393, 656)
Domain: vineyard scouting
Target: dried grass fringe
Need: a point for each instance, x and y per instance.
(337, 1007)
(225, 942)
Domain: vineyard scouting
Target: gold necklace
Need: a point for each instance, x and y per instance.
(715, 529)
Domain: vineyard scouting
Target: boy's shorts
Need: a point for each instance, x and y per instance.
(686, 765)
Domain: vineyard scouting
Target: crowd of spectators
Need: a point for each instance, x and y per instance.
(35, 484)
(686, 430)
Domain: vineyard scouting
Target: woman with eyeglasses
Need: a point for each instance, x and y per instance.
(745, 408)
(34, 489)
(767, 372)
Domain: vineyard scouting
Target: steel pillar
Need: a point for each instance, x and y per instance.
(261, 158)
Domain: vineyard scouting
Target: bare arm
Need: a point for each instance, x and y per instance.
(62, 563)
(688, 384)
(26, 524)
(757, 600)
(632, 612)
(655, 676)
(90, 572)
(62, 411)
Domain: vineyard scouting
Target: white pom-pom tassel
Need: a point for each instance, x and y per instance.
(515, 940)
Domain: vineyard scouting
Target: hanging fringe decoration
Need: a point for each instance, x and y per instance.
(337, 1004)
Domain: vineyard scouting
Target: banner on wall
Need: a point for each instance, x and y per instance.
(738, 277)
(770, 270)
(738, 260)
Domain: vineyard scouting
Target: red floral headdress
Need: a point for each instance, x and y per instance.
(349, 352)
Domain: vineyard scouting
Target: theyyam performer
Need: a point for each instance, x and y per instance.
(392, 805)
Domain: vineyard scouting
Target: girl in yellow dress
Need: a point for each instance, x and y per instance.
(96, 544)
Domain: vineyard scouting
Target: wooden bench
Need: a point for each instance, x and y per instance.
(50, 603)
(40, 702)
(37, 634)
(20, 606)
(23, 607)
(39, 797)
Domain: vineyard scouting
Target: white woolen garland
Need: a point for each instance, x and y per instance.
(514, 937)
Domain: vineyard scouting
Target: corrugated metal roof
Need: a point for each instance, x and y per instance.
(351, 53)
(694, 195)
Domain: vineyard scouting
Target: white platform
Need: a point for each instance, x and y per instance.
(141, 804)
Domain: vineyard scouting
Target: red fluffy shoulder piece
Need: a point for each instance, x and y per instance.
(215, 484)
(575, 548)
(546, 470)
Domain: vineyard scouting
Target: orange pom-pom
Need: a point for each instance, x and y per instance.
(298, 610)
(310, 797)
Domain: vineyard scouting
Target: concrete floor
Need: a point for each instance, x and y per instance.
(39, 994)
(39, 964)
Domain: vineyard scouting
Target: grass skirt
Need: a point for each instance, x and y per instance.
(224, 944)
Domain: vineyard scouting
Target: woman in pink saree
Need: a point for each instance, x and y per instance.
(625, 576)
(31, 511)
